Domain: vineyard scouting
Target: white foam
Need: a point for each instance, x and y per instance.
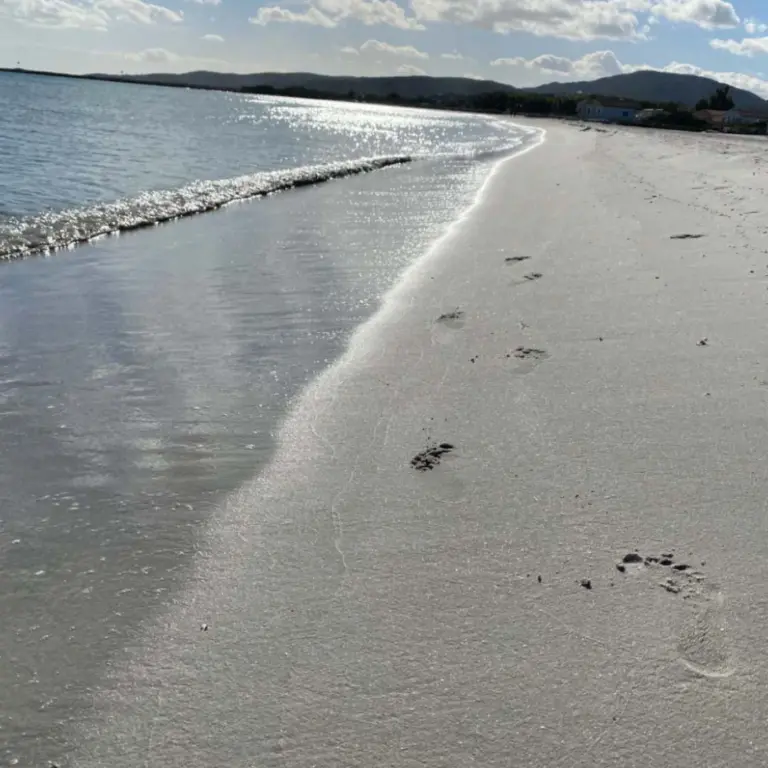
(65, 229)
(364, 339)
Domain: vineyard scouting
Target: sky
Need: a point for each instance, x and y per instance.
(522, 42)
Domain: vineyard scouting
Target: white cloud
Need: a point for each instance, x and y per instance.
(550, 63)
(213, 38)
(737, 79)
(708, 14)
(455, 56)
(588, 67)
(330, 13)
(152, 56)
(86, 14)
(368, 12)
(410, 70)
(571, 19)
(754, 27)
(276, 15)
(161, 59)
(63, 14)
(398, 51)
(577, 19)
(375, 57)
(749, 46)
(138, 11)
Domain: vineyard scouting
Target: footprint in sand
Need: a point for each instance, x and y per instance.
(529, 358)
(453, 319)
(530, 277)
(702, 645)
(445, 326)
(430, 457)
(530, 353)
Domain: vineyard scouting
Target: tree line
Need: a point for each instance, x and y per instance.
(501, 102)
(720, 100)
(670, 114)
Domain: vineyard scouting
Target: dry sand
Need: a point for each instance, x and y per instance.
(604, 396)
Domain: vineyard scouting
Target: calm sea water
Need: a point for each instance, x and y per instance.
(144, 377)
(79, 159)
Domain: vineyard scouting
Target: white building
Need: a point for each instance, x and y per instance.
(646, 115)
(738, 116)
(607, 110)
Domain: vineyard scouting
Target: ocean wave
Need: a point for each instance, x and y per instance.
(52, 231)
(502, 149)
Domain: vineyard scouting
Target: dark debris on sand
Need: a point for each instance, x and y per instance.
(530, 353)
(456, 314)
(516, 259)
(533, 276)
(430, 458)
(685, 236)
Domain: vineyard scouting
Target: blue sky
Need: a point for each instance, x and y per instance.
(523, 42)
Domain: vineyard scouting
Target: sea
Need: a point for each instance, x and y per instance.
(176, 267)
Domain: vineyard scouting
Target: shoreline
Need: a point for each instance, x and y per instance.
(594, 367)
(204, 341)
(359, 346)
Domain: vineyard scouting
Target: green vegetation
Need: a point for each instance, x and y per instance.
(720, 100)
(498, 102)
(677, 120)
(494, 102)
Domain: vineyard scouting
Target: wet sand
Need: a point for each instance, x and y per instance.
(522, 521)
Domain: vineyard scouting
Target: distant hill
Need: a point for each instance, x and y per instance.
(645, 85)
(408, 87)
(649, 85)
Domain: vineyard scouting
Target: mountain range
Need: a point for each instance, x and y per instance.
(406, 87)
(643, 85)
(650, 85)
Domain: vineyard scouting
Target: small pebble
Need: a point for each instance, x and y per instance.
(586, 583)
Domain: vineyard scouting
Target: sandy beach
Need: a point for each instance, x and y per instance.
(577, 576)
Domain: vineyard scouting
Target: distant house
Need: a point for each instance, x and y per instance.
(737, 116)
(648, 115)
(714, 118)
(608, 110)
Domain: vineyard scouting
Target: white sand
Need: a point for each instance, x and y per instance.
(362, 613)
